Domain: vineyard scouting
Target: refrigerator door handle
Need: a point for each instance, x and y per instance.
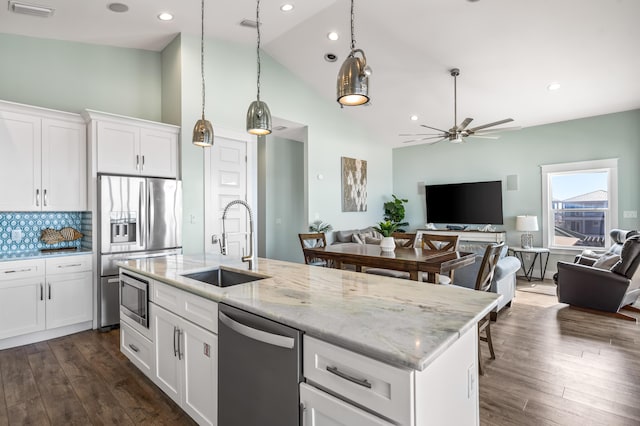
(150, 207)
(142, 215)
(255, 334)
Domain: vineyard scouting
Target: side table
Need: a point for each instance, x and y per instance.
(538, 253)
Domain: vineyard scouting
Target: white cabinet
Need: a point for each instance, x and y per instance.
(129, 146)
(43, 159)
(44, 294)
(186, 366)
(321, 409)
(22, 304)
(364, 391)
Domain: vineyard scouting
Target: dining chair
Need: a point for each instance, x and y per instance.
(313, 240)
(440, 243)
(404, 239)
(483, 283)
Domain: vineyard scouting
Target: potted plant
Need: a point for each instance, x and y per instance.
(319, 226)
(387, 228)
(394, 211)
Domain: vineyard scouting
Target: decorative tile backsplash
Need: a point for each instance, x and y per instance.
(31, 224)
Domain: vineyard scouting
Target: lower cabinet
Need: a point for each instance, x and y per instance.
(44, 298)
(186, 365)
(22, 306)
(321, 409)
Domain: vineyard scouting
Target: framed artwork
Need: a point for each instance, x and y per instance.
(354, 185)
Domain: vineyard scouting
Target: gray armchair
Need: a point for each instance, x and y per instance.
(600, 289)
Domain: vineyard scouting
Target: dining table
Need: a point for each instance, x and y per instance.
(413, 260)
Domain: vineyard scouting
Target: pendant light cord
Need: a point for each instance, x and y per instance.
(258, 45)
(202, 54)
(353, 37)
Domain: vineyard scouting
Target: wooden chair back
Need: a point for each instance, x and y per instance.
(488, 266)
(440, 242)
(312, 240)
(407, 239)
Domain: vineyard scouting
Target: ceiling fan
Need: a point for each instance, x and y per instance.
(457, 133)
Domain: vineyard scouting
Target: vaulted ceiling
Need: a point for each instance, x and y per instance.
(508, 51)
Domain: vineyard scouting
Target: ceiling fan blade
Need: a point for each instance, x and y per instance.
(483, 137)
(464, 124)
(433, 128)
(420, 134)
(495, 123)
(491, 131)
(423, 139)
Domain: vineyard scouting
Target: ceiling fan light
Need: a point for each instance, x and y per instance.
(258, 119)
(353, 82)
(203, 133)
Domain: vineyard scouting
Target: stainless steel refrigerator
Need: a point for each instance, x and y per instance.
(137, 217)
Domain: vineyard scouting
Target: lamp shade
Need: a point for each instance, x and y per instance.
(353, 81)
(526, 223)
(203, 133)
(258, 118)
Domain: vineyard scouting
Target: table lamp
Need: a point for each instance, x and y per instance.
(526, 224)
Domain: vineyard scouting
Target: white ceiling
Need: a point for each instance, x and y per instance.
(508, 51)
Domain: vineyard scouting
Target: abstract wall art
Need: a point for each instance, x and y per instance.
(354, 185)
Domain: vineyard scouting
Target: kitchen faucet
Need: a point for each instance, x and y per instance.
(223, 243)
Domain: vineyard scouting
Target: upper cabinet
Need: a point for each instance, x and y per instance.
(43, 166)
(131, 146)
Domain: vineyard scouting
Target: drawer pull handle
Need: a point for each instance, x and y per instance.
(70, 265)
(361, 382)
(134, 347)
(13, 271)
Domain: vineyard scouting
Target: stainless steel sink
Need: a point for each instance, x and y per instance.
(223, 277)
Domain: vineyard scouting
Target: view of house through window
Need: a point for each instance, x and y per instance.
(580, 203)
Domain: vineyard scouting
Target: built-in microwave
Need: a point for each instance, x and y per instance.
(134, 298)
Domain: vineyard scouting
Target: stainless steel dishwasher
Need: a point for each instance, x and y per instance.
(259, 370)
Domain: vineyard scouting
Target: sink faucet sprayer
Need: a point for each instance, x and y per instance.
(223, 243)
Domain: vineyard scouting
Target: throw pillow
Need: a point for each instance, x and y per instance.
(372, 240)
(606, 261)
(344, 236)
(357, 238)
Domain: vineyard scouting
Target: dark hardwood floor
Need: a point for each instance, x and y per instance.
(554, 366)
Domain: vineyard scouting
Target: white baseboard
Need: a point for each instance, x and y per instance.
(27, 339)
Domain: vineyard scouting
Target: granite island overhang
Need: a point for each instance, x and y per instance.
(402, 323)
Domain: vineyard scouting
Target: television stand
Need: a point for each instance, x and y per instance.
(468, 236)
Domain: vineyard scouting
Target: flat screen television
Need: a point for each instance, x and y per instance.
(478, 203)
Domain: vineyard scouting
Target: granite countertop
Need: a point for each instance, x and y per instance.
(400, 322)
(43, 254)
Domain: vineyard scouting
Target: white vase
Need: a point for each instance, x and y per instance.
(387, 244)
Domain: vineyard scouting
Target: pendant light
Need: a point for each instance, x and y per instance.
(258, 115)
(353, 78)
(203, 130)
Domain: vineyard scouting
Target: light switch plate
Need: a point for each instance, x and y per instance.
(16, 235)
(630, 214)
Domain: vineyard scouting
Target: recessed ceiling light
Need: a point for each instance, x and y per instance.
(165, 16)
(330, 57)
(553, 86)
(414, 118)
(118, 7)
(333, 36)
(287, 7)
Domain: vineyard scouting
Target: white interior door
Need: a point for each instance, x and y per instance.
(230, 174)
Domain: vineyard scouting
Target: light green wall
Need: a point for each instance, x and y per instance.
(71, 76)
(171, 83)
(281, 199)
(521, 153)
(230, 73)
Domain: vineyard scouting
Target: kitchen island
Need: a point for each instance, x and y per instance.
(427, 333)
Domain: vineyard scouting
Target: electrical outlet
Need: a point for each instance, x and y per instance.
(630, 214)
(16, 235)
(192, 219)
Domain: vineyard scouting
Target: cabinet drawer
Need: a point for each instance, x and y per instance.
(379, 387)
(197, 309)
(137, 348)
(19, 269)
(68, 264)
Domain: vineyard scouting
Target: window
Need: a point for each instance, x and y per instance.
(579, 204)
